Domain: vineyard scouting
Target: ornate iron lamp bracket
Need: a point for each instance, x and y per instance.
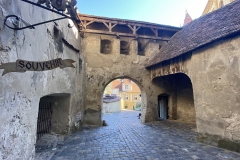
(18, 20)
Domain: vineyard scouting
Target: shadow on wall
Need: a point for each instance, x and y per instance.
(179, 102)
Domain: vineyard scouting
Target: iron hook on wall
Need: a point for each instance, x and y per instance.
(17, 22)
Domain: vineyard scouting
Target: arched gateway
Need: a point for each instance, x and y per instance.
(114, 48)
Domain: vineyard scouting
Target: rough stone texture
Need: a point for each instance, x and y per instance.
(101, 69)
(185, 103)
(20, 92)
(215, 75)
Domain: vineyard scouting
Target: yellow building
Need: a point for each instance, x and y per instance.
(215, 4)
(128, 91)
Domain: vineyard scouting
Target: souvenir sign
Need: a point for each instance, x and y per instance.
(23, 66)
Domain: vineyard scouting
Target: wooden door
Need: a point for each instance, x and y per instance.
(163, 107)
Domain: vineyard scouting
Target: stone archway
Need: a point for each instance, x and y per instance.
(124, 92)
(180, 100)
(132, 97)
(93, 116)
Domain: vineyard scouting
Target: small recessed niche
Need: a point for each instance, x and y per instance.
(80, 65)
(141, 49)
(106, 46)
(159, 46)
(124, 47)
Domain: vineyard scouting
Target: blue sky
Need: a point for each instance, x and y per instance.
(168, 12)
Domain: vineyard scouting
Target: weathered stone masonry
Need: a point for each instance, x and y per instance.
(114, 49)
(20, 93)
(211, 61)
(200, 80)
(215, 89)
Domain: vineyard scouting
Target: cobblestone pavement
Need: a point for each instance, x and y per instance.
(127, 138)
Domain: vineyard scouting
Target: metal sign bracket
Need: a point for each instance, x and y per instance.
(18, 20)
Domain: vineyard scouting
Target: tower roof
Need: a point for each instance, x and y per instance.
(187, 19)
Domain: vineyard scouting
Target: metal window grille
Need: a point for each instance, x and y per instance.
(44, 118)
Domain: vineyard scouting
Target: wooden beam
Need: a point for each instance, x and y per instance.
(129, 26)
(155, 31)
(84, 24)
(134, 28)
(138, 28)
(89, 23)
(162, 27)
(111, 26)
(106, 26)
(124, 34)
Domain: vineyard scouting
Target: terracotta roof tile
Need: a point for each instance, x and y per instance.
(208, 28)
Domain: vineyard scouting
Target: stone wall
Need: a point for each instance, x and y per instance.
(214, 71)
(216, 91)
(20, 92)
(101, 69)
(185, 102)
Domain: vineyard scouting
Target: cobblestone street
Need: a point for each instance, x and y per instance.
(126, 137)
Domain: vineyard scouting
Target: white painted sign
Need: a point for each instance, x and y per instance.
(23, 65)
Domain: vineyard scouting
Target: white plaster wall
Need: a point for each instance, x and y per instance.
(20, 92)
(111, 107)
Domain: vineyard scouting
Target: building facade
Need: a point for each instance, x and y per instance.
(202, 72)
(128, 91)
(111, 104)
(189, 74)
(122, 48)
(213, 5)
(25, 95)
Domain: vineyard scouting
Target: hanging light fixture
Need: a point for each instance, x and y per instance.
(59, 5)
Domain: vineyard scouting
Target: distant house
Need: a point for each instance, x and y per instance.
(111, 104)
(214, 5)
(128, 91)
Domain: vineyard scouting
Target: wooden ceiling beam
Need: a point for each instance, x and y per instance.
(121, 22)
(124, 34)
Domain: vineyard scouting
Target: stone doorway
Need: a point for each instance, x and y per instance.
(178, 92)
(163, 107)
(44, 117)
(53, 120)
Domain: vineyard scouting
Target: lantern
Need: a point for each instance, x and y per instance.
(59, 5)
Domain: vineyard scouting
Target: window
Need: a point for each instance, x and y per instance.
(106, 46)
(124, 47)
(135, 97)
(141, 49)
(126, 97)
(126, 87)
